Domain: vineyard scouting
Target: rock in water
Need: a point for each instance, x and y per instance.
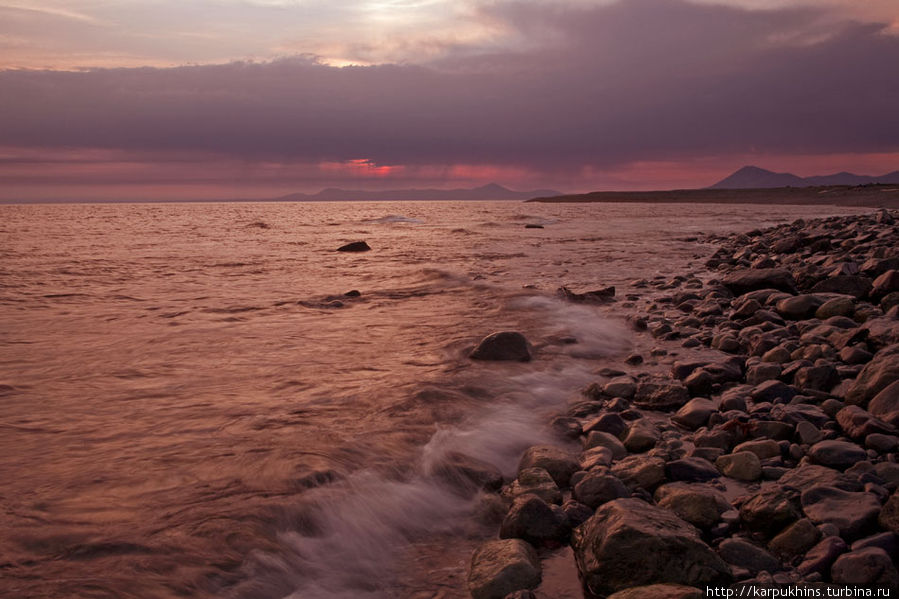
(502, 567)
(629, 542)
(504, 345)
(355, 246)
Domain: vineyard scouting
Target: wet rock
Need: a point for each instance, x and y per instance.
(536, 481)
(355, 246)
(858, 423)
(886, 283)
(885, 404)
(836, 454)
(771, 510)
(851, 513)
(744, 281)
(620, 387)
(598, 296)
(838, 306)
(577, 512)
(695, 413)
(806, 476)
(659, 591)
(535, 521)
(504, 345)
(639, 471)
(642, 436)
(869, 567)
(629, 542)
(795, 539)
(799, 307)
(502, 567)
(609, 422)
(853, 285)
(700, 505)
(741, 466)
(661, 395)
(764, 371)
(772, 391)
(691, 469)
(567, 427)
(595, 457)
(822, 556)
(598, 488)
(763, 448)
(468, 474)
(607, 440)
(855, 355)
(746, 555)
(882, 370)
(557, 462)
(808, 433)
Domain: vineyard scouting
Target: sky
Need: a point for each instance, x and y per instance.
(189, 99)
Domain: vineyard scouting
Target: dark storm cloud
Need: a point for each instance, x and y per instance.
(636, 80)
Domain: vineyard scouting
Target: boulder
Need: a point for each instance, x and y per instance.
(661, 395)
(629, 542)
(869, 567)
(885, 404)
(640, 471)
(851, 513)
(504, 345)
(771, 510)
(691, 469)
(858, 423)
(467, 474)
(607, 440)
(597, 488)
(698, 504)
(744, 465)
(557, 462)
(746, 555)
(641, 436)
(838, 306)
(595, 457)
(795, 539)
(355, 246)
(502, 567)
(886, 283)
(536, 481)
(695, 413)
(799, 307)
(763, 448)
(882, 370)
(535, 521)
(853, 285)
(822, 556)
(836, 454)
(753, 279)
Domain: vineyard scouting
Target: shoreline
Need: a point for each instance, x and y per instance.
(866, 196)
(765, 456)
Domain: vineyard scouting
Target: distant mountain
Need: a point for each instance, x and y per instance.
(753, 177)
(486, 192)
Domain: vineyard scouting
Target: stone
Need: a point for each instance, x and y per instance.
(795, 539)
(838, 306)
(641, 436)
(557, 462)
(695, 413)
(772, 391)
(808, 433)
(355, 246)
(620, 387)
(817, 378)
(763, 448)
(661, 395)
(851, 513)
(598, 488)
(888, 541)
(885, 405)
(746, 555)
(868, 567)
(536, 481)
(533, 520)
(577, 512)
(853, 285)
(641, 472)
(858, 423)
(595, 457)
(698, 504)
(630, 543)
(502, 346)
(691, 469)
(771, 510)
(799, 307)
(607, 440)
(882, 370)
(806, 476)
(822, 556)
(743, 281)
(764, 371)
(744, 465)
(882, 443)
(889, 515)
(885, 283)
(659, 591)
(502, 567)
(836, 454)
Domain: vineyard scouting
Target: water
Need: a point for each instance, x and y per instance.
(191, 407)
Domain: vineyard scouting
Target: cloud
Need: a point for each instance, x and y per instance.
(585, 85)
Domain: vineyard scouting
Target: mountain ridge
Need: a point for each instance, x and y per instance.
(753, 177)
(491, 191)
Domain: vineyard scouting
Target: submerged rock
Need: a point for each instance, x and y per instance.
(355, 246)
(504, 345)
(502, 567)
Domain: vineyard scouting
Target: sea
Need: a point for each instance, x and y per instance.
(207, 400)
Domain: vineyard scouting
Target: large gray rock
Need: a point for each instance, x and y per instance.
(629, 542)
(502, 567)
(874, 378)
(559, 463)
(744, 281)
(504, 345)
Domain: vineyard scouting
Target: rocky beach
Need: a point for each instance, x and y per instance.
(748, 442)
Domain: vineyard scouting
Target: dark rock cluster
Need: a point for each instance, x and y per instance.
(764, 454)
